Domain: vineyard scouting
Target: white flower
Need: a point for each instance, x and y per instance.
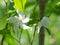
(44, 22)
(22, 17)
(19, 21)
(22, 20)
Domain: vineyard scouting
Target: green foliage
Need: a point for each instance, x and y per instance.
(3, 15)
(57, 9)
(53, 6)
(15, 12)
(4, 31)
(20, 5)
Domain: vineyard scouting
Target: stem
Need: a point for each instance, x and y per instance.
(41, 36)
(2, 40)
(20, 36)
(42, 4)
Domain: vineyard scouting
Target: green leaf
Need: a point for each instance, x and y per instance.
(10, 5)
(24, 38)
(3, 15)
(11, 11)
(19, 4)
(4, 31)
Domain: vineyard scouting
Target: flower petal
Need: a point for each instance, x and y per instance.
(25, 20)
(45, 22)
(20, 17)
(23, 26)
(39, 26)
(20, 14)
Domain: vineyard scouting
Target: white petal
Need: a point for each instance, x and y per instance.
(20, 14)
(39, 26)
(23, 26)
(25, 20)
(38, 29)
(20, 17)
(46, 22)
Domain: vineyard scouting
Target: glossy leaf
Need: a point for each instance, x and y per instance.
(3, 14)
(4, 31)
(19, 4)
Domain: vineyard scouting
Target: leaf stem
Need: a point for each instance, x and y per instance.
(20, 36)
(2, 40)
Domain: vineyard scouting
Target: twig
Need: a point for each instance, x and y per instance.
(42, 5)
(20, 36)
(2, 40)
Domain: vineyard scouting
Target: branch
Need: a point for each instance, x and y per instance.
(2, 40)
(20, 36)
(42, 5)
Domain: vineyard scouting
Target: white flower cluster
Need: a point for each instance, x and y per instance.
(44, 22)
